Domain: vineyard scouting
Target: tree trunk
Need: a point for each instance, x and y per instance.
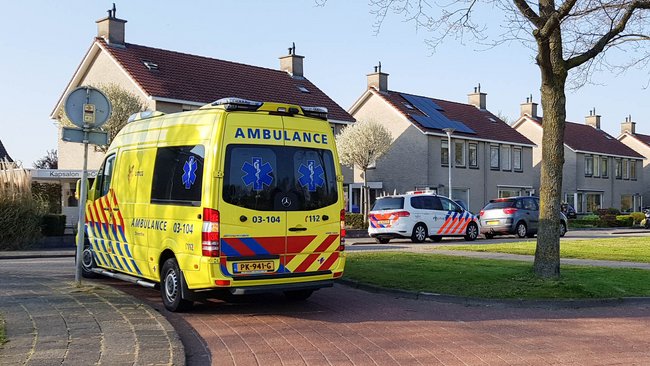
(554, 75)
(365, 204)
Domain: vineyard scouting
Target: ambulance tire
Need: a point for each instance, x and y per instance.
(170, 287)
(419, 233)
(87, 262)
(298, 295)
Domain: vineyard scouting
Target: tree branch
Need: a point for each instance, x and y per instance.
(529, 13)
(600, 45)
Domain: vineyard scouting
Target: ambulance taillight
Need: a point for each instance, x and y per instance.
(210, 234)
(342, 245)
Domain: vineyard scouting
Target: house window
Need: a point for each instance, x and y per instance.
(603, 167)
(626, 170)
(627, 203)
(589, 165)
(473, 155)
(619, 169)
(516, 159)
(494, 157)
(594, 201)
(596, 166)
(444, 153)
(505, 158)
(459, 153)
(633, 169)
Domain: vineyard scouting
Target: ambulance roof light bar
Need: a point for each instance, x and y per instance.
(144, 115)
(317, 112)
(238, 104)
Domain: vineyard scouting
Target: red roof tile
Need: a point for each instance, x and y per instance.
(201, 79)
(4, 154)
(486, 125)
(643, 138)
(582, 137)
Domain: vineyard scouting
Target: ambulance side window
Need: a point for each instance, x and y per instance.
(105, 175)
(178, 175)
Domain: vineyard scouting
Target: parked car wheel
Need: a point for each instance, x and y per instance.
(521, 229)
(382, 240)
(472, 232)
(562, 228)
(170, 287)
(488, 236)
(419, 233)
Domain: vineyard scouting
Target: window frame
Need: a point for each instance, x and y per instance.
(506, 159)
(463, 161)
(519, 152)
(618, 168)
(589, 166)
(444, 152)
(633, 175)
(101, 177)
(604, 167)
(498, 156)
(473, 145)
(626, 169)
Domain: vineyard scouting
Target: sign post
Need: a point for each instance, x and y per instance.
(88, 108)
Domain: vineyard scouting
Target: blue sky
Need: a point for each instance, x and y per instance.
(43, 42)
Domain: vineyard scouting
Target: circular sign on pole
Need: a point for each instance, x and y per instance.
(87, 106)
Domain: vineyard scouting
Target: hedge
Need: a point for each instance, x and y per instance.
(354, 221)
(53, 225)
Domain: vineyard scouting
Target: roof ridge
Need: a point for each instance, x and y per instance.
(192, 55)
(425, 96)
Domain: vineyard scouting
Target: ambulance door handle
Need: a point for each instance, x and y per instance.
(297, 229)
(115, 209)
(107, 208)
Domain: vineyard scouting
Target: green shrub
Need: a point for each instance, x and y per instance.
(607, 211)
(591, 217)
(53, 225)
(624, 221)
(637, 217)
(20, 220)
(50, 194)
(354, 221)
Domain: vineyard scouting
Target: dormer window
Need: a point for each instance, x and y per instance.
(150, 65)
(303, 89)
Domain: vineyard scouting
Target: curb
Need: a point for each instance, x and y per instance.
(37, 254)
(473, 301)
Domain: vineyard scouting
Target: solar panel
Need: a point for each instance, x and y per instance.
(433, 117)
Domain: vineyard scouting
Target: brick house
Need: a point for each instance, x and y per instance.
(488, 158)
(599, 170)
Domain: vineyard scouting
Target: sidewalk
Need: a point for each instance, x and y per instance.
(50, 321)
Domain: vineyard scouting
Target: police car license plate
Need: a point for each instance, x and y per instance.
(253, 267)
(383, 222)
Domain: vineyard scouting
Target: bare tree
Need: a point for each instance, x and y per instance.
(360, 145)
(573, 35)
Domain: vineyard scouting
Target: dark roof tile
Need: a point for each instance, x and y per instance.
(4, 154)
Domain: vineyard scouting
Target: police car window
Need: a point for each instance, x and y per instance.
(389, 203)
(418, 202)
(448, 205)
(435, 203)
(279, 178)
(178, 175)
(105, 175)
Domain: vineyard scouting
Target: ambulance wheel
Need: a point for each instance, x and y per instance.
(472, 232)
(419, 233)
(298, 295)
(87, 262)
(170, 287)
(382, 240)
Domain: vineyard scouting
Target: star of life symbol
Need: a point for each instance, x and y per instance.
(312, 175)
(189, 172)
(258, 174)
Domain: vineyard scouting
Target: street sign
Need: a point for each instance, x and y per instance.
(87, 106)
(71, 134)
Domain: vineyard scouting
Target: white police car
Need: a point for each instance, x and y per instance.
(418, 215)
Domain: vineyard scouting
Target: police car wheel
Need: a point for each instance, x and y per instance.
(419, 233)
(382, 240)
(170, 287)
(298, 295)
(436, 238)
(472, 232)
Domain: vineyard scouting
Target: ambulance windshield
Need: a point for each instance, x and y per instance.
(279, 178)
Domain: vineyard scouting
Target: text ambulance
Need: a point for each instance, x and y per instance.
(238, 196)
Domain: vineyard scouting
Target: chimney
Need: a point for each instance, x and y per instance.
(477, 99)
(529, 108)
(628, 126)
(593, 119)
(292, 63)
(378, 79)
(111, 28)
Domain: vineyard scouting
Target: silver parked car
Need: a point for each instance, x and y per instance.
(513, 215)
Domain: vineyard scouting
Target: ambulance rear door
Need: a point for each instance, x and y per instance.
(253, 221)
(313, 215)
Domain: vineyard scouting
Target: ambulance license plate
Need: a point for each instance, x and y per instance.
(492, 222)
(253, 267)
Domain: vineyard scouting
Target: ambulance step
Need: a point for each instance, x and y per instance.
(124, 277)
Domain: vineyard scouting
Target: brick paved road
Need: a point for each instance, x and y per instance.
(345, 326)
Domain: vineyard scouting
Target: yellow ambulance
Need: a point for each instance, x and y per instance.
(236, 197)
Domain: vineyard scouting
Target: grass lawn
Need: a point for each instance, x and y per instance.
(495, 279)
(3, 336)
(614, 249)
